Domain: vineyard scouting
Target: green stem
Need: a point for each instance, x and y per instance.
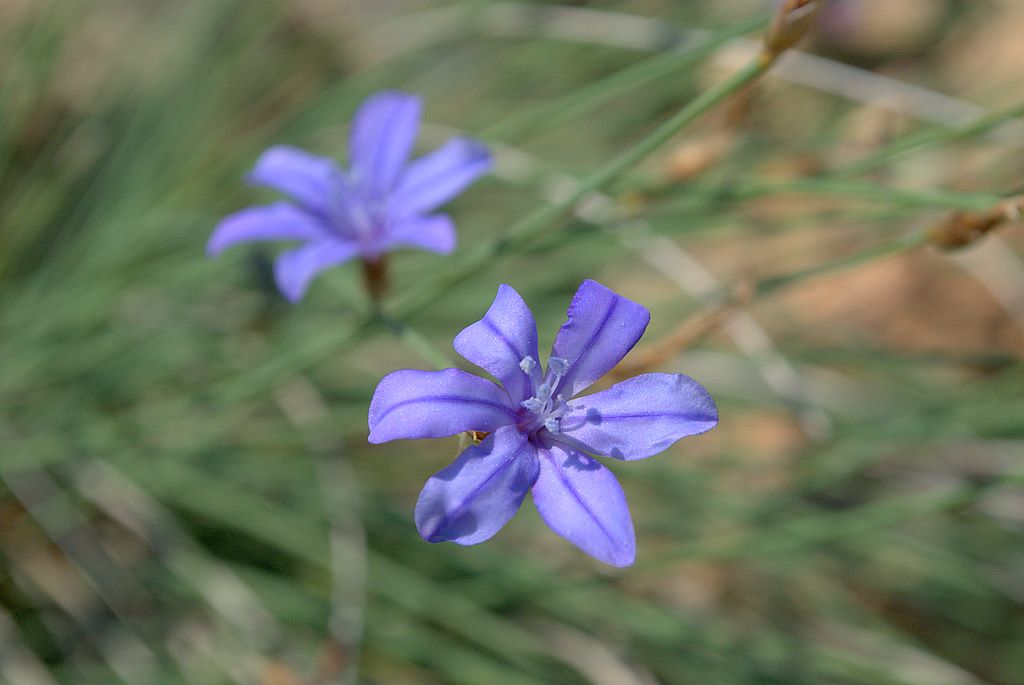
(745, 189)
(579, 102)
(928, 136)
(886, 249)
(542, 219)
(417, 342)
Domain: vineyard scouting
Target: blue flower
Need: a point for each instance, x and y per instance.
(382, 202)
(540, 438)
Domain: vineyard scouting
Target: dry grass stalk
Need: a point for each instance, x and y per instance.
(963, 228)
(689, 332)
(790, 24)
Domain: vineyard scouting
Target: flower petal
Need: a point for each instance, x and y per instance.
(583, 502)
(279, 221)
(295, 269)
(382, 137)
(433, 233)
(640, 417)
(500, 341)
(602, 327)
(470, 500)
(436, 178)
(308, 178)
(435, 404)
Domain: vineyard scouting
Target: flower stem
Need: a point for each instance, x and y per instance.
(375, 277)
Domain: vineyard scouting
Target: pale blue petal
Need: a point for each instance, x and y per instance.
(436, 178)
(500, 341)
(640, 417)
(470, 500)
(602, 327)
(383, 134)
(435, 404)
(295, 269)
(583, 502)
(279, 221)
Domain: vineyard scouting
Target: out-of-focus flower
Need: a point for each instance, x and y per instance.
(540, 438)
(382, 202)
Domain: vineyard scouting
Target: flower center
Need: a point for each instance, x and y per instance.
(544, 410)
(356, 216)
(363, 220)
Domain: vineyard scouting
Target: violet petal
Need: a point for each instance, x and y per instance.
(436, 178)
(279, 221)
(382, 137)
(640, 417)
(470, 500)
(308, 178)
(295, 269)
(602, 327)
(434, 233)
(500, 341)
(583, 502)
(435, 404)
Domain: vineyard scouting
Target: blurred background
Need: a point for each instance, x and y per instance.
(186, 491)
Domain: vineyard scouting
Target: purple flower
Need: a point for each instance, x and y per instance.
(380, 203)
(540, 437)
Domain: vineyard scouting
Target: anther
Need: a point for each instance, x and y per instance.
(533, 404)
(558, 366)
(528, 364)
(552, 425)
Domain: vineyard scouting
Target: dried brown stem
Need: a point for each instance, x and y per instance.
(963, 228)
(686, 334)
(790, 24)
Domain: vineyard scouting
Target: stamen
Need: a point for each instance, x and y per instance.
(558, 366)
(533, 404)
(546, 410)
